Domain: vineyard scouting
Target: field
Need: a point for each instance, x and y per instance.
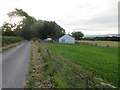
(101, 43)
(103, 61)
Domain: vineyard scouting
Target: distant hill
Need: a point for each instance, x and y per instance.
(104, 35)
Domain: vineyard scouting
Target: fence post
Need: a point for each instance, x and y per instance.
(48, 53)
(107, 45)
(96, 44)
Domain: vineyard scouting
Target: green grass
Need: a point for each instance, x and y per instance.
(101, 43)
(102, 60)
(64, 73)
(31, 80)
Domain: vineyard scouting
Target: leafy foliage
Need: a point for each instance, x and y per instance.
(7, 29)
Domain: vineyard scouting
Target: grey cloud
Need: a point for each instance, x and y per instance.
(104, 20)
(92, 29)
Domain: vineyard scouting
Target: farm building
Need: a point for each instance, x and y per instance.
(67, 39)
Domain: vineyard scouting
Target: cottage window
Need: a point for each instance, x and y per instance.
(63, 40)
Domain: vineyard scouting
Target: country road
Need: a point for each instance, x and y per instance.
(15, 66)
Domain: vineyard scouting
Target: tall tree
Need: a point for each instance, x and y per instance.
(25, 29)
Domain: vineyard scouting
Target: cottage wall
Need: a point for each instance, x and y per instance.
(67, 39)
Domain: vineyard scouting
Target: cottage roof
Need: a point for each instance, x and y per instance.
(66, 35)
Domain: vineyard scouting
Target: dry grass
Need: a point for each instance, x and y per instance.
(101, 43)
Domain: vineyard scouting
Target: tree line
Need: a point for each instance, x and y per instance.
(29, 27)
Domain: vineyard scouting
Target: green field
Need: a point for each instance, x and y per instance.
(102, 60)
(101, 43)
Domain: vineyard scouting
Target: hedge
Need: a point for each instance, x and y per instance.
(6, 40)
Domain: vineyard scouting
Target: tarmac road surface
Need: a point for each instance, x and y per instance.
(15, 64)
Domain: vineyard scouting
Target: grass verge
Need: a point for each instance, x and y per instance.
(37, 77)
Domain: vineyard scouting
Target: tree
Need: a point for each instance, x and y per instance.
(77, 35)
(7, 29)
(29, 27)
(46, 29)
(26, 28)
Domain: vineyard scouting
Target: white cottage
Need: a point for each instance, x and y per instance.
(67, 39)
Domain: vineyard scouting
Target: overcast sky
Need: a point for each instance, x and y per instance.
(88, 16)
